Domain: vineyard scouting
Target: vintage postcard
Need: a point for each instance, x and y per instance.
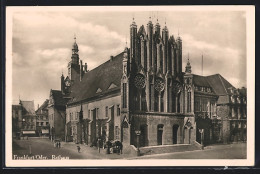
(131, 86)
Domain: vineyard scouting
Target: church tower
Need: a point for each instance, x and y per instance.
(188, 89)
(73, 65)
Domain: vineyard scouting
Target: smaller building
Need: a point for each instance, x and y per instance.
(28, 119)
(16, 120)
(57, 114)
(42, 121)
(232, 108)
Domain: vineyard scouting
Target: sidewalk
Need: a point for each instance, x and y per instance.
(219, 151)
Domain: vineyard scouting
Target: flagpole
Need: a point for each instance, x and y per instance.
(202, 65)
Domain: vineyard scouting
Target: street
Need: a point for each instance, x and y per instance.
(229, 151)
(44, 147)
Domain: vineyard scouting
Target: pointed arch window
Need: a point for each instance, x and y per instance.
(124, 95)
(189, 101)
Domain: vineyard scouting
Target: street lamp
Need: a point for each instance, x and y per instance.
(138, 133)
(202, 137)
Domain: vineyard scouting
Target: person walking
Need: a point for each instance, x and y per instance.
(98, 144)
(78, 147)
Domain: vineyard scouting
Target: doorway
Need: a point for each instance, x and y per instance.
(175, 129)
(159, 134)
(143, 135)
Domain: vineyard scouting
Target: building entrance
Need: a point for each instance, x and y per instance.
(175, 134)
(159, 134)
(143, 135)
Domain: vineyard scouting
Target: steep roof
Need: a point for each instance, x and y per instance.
(200, 81)
(28, 107)
(219, 84)
(58, 98)
(98, 79)
(43, 106)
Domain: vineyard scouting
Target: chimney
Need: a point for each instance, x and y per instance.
(86, 68)
(111, 58)
(81, 70)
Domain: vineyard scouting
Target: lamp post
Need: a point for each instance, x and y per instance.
(138, 133)
(202, 137)
(24, 124)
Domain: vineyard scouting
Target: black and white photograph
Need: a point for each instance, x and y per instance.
(130, 86)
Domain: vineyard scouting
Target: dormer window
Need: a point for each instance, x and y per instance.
(238, 100)
(98, 90)
(232, 98)
(112, 86)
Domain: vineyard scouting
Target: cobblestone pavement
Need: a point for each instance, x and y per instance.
(43, 146)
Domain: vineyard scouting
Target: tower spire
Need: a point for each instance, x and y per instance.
(188, 66)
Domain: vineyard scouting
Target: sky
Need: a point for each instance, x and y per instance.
(42, 42)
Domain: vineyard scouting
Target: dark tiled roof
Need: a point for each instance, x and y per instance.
(43, 106)
(58, 98)
(219, 84)
(100, 77)
(28, 107)
(200, 81)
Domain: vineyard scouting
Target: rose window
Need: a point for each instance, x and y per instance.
(159, 84)
(139, 81)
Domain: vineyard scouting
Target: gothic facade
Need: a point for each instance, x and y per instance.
(144, 92)
(155, 99)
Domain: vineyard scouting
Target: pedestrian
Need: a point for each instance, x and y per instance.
(78, 149)
(54, 144)
(98, 144)
(59, 144)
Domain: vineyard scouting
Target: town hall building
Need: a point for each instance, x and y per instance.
(144, 94)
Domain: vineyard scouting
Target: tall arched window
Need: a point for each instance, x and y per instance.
(124, 95)
(189, 101)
